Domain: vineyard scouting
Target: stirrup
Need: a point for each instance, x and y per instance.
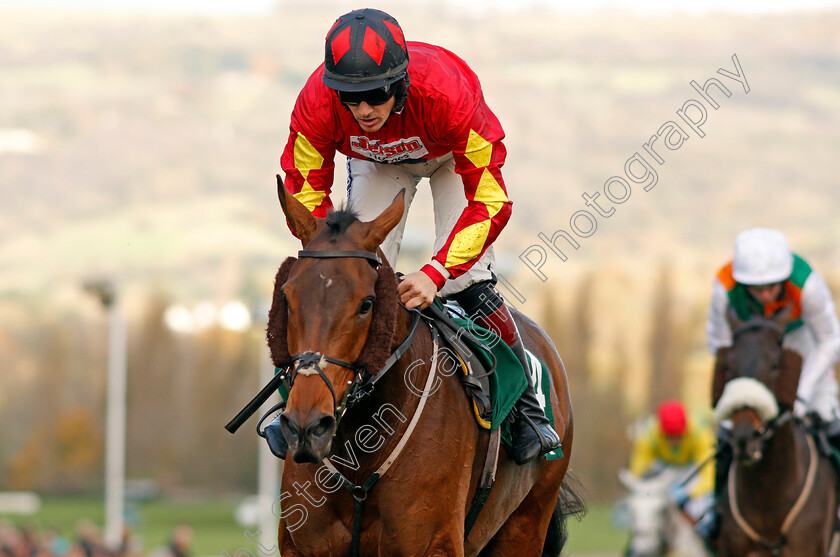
(531, 440)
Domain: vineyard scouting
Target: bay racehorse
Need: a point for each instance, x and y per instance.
(779, 497)
(393, 472)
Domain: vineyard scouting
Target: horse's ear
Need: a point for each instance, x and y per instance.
(378, 228)
(301, 221)
(719, 375)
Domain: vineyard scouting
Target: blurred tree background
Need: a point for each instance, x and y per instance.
(182, 388)
(143, 148)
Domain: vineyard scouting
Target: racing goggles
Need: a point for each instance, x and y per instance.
(373, 97)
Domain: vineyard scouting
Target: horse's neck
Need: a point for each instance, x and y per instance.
(373, 427)
(402, 382)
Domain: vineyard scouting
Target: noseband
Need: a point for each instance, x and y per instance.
(310, 363)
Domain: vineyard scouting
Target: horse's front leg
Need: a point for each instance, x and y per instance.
(442, 543)
(445, 545)
(285, 543)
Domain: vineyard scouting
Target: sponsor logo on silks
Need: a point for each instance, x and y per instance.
(400, 150)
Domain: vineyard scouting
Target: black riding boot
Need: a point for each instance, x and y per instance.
(532, 433)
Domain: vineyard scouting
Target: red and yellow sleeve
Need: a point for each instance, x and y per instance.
(479, 155)
(309, 157)
(309, 169)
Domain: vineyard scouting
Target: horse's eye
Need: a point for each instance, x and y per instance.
(365, 306)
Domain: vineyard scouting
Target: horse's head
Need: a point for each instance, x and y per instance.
(648, 508)
(755, 381)
(332, 317)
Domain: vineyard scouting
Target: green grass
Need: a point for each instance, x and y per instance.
(215, 529)
(595, 533)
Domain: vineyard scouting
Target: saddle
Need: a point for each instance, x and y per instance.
(491, 374)
(493, 380)
(476, 360)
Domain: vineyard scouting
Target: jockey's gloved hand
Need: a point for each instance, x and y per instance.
(679, 495)
(813, 417)
(708, 527)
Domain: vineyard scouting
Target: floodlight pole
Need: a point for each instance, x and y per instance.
(115, 412)
(267, 474)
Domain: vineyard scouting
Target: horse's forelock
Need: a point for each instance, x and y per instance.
(339, 221)
(757, 354)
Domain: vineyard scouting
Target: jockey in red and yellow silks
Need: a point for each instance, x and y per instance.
(444, 114)
(403, 111)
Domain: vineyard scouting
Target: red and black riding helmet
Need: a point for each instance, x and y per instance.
(365, 50)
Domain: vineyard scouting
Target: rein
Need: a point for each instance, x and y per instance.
(359, 492)
(794, 511)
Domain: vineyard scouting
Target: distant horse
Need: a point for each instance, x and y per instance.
(780, 491)
(396, 473)
(657, 527)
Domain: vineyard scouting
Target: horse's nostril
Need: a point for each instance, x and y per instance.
(323, 426)
(290, 429)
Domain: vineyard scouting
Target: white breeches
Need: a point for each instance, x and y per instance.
(823, 396)
(372, 186)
